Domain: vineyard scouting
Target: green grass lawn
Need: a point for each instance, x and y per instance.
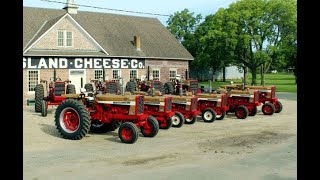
(284, 82)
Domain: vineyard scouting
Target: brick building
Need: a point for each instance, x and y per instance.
(78, 43)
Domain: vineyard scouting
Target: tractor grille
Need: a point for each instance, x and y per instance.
(273, 92)
(140, 104)
(193, 103)
(256, 96)
(224, 100)
(59, 88)
(194, 86)
(168, 103)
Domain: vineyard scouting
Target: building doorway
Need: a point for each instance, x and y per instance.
(78, 78)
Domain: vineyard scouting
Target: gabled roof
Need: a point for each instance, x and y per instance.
(114, 33)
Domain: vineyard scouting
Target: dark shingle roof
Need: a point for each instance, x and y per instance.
(113, 32)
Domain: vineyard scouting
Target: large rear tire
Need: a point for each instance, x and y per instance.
(128, 133)
(88, 87)
(71, 89)
(39, 94)
(208, 115)
(169, 88)
(72, 119)
(152, 127)
(241, 112)
(177, 119)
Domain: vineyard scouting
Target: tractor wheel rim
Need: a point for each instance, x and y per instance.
(208, 115)
(277, 106)
(267, 109)
(175, 120)
(188, 120)
(69, 120)
(240, 113)
(218, 115)
(127, 134)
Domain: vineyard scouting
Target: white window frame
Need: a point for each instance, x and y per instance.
(172, 69)
(94, 75)
(156, 69)
(64, 38)
(31, 92)
(119, 70)
(133, 70)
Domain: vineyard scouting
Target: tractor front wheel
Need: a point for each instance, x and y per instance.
(151, 128)
(38, 97)
(166, 124)
(268, 109)
(241, 112)
(208, 115)
(278, 107)
(254, 111)
(128, 132)
(44, 108)
(177, 119)
(221, 116)
(72, 119)
(192, 120)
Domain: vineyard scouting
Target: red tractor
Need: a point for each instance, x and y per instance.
(175, 86)
(244, 103)
(55, 94)
(103, 113)
(212, 104)
(267, 94)
(187, 108)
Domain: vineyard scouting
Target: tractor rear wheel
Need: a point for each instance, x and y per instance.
(39, 94)
(221, 116)
(88, 87)
(44, 109)
(166, 124)
(72, 119)
(128, 133)
(131, 86)
(191, 120)
(151, 128)
(99, 127)
(177, 119)
(278, 107)
(71, 89)
(268, 109)
(169, 89)
(254, 111)
(241, 112)
(208, 115)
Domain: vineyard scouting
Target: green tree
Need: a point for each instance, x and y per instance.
(183, 24)
(262, 26)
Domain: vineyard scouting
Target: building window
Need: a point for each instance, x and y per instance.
(116, 75)
(133, 74)
(173, 74)
(65, 38)
(98, 74)
(69, 39)
(33, 79)
(156, 74)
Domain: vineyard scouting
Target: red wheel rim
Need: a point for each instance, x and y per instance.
(69, 120)
(240, 113)
(126, 133)
(267, 109)
(276, 106)
(148, 129)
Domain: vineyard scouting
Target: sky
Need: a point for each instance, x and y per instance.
(166, 7)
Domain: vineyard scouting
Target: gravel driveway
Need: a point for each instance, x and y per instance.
(259, 147)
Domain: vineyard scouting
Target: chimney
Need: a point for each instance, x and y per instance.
(136, 41)
(70, 7)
